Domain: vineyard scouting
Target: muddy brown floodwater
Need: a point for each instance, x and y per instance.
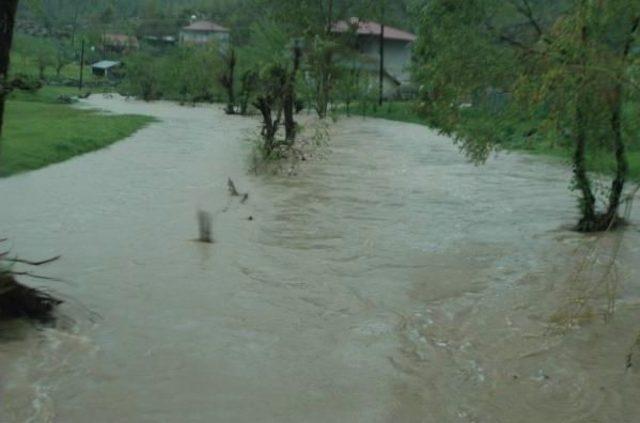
(389, 282)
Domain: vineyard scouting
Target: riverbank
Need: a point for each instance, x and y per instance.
(517, 141)
(40, 131)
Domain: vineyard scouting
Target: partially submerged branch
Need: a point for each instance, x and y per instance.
(19, 301)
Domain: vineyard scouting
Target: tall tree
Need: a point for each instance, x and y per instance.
(7, 21)
(566, 67)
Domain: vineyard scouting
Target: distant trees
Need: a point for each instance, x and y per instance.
(566, 67)
(63, 57)
(185, 75)
(45, 55)
(142, 78)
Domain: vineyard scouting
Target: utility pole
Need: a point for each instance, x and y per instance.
(330, 17)
(81, 65)
(381, 88)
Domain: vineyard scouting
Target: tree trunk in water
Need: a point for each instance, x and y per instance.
(290, 99)
(622, 166)
(588, 218)
(323, 88)
(587, 201)
(229, 82)
(269, 125)
(7, 21)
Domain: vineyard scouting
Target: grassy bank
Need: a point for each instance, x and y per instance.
(38, 131)
(598, 161)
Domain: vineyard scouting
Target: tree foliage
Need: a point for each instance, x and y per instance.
(184, 74)
(567, 66)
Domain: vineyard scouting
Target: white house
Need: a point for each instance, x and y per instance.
(204, 32)
(398, 46)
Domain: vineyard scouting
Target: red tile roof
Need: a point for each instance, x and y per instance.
(205, 26)
(121, 40)
(373, 28)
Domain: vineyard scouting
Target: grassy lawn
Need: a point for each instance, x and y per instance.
(598, 162)
(38, 132)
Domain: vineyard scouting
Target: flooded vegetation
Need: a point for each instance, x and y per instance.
(410, 286)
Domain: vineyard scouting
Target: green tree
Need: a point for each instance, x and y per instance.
(142, 78)
(64, 56)
(45, 55)
(566, 65)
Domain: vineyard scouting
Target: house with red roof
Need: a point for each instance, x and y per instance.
(120, 43)
(398, 45)
(204, 32)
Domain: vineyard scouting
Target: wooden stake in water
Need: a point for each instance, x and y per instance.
(204, 226)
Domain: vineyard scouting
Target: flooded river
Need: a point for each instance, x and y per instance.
(391, 281)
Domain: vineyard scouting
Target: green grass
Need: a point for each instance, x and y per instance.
(598, 161)
(38, 132)
(396, 110)
(47, 95)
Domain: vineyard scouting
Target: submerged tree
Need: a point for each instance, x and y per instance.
(270, 79)
(566, 66)
(269, 101)
(289, 100)
(248, 86)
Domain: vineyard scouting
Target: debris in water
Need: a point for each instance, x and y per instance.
(630, 356)
(204, 226)
(541, 376)
(232, 188)
(235, 193)
(18, 301)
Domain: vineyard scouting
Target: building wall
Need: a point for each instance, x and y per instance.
(389, 86)
(201, 37)
(397, 55)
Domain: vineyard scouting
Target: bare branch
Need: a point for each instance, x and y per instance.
(635, 23)
(33, 263)
(34, 276)
(526, 10)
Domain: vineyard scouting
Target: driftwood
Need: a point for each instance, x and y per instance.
(21, 302)
(233, 191)
(232, 188)
(18, 301)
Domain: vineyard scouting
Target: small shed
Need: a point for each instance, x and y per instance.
(106, 68)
